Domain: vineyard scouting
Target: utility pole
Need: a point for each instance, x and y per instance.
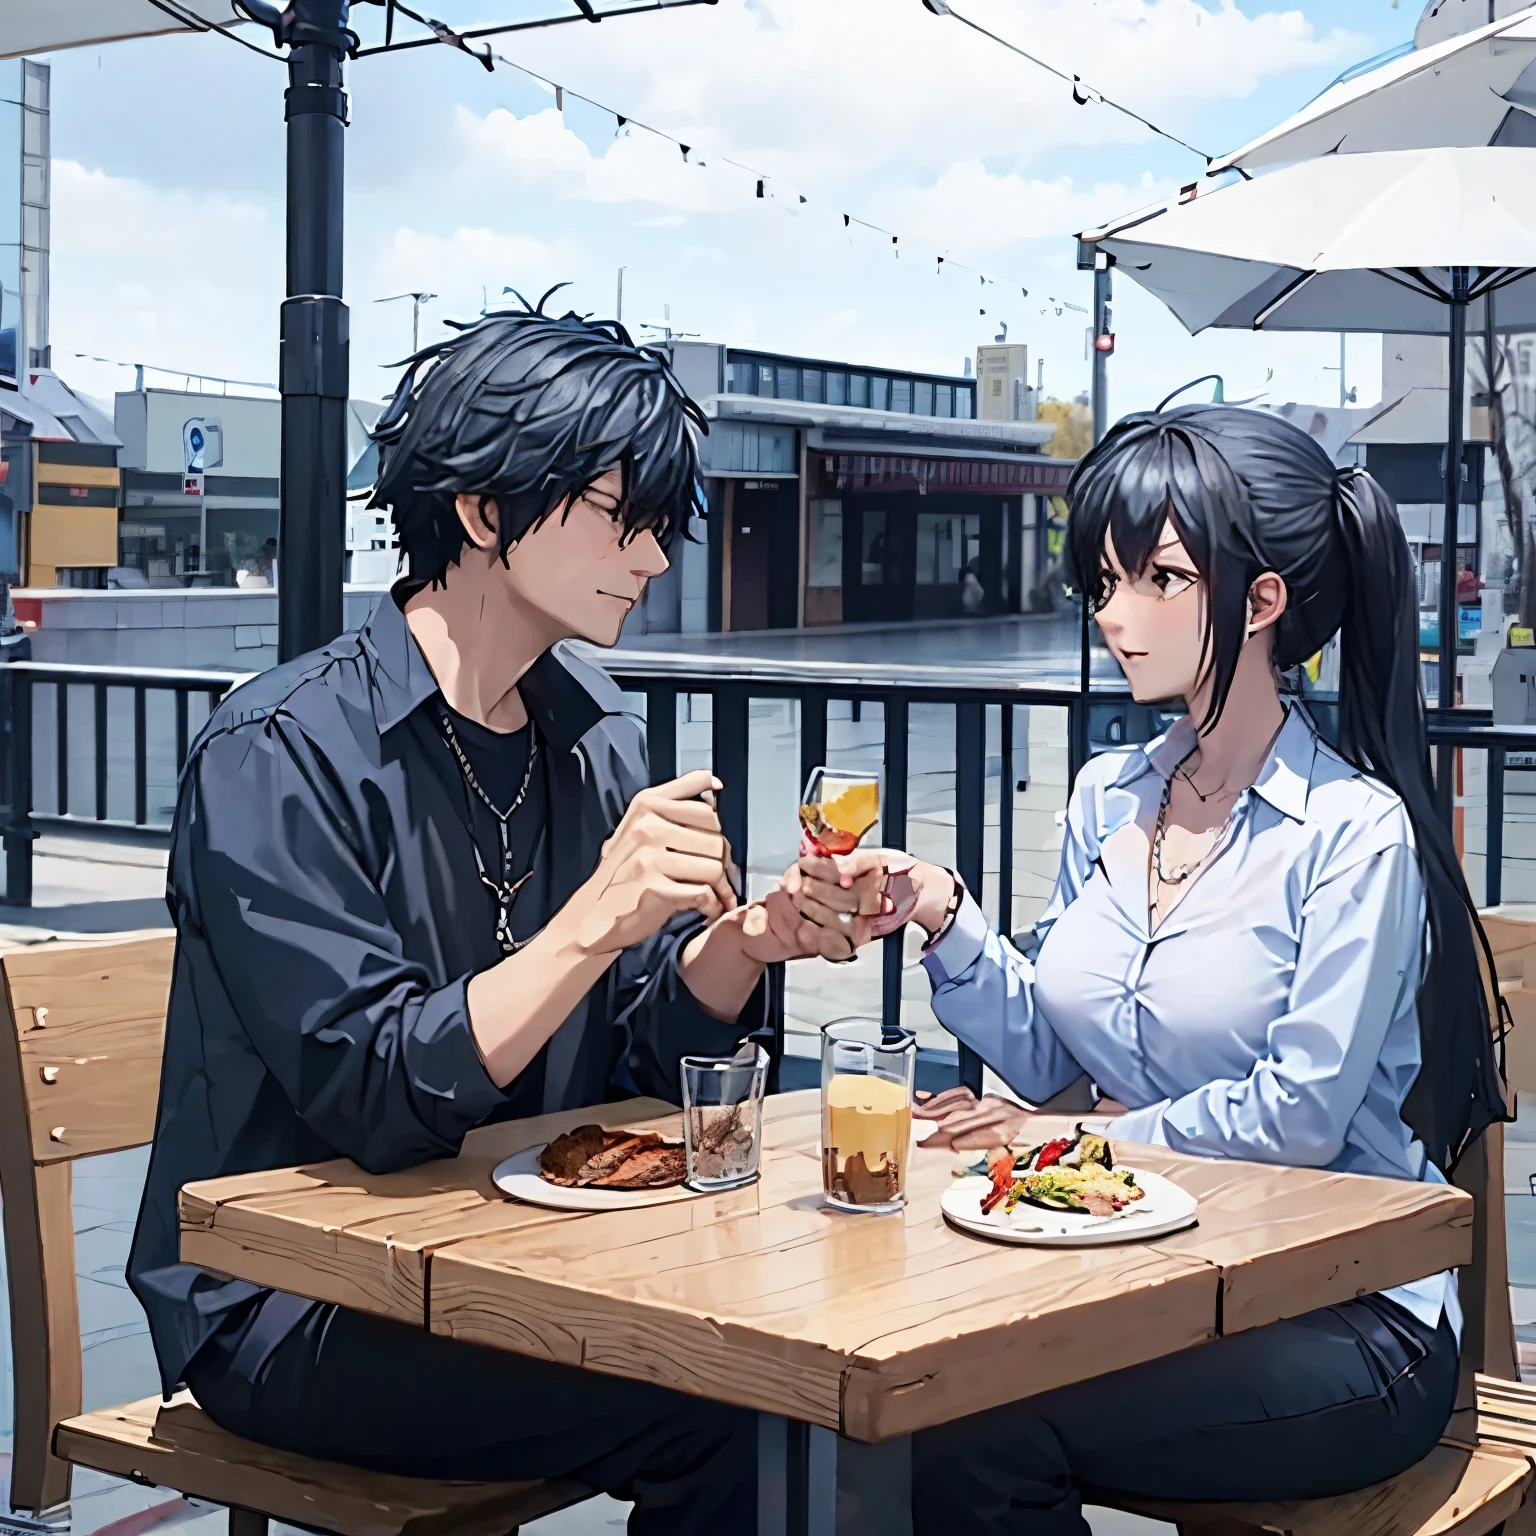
(417, 300)
(619, 309)
(1103, 342)
(314, 364)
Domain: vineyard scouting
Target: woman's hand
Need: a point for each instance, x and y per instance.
(969, 1124)
(882, 886)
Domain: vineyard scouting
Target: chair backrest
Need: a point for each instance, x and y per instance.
(82, 1026)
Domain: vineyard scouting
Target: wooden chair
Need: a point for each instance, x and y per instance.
(80, 1045)
(1479, 1478)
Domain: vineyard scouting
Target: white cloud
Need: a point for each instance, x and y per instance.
(169, 277)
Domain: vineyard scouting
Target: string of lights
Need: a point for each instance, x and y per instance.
(471, 41)
(1082, 93)
(791, 201)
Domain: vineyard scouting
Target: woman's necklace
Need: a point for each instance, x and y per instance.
(505, 890)
(1181, 872)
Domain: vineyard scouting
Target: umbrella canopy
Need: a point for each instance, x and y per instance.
(40, 26)
(1473, 90)
(1390, 240)
(1342, 243)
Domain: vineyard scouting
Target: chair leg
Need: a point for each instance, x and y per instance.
(246, 1522)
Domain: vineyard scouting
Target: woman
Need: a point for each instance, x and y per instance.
(1257, 947)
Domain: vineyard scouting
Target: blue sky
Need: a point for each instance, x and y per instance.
(167, 232)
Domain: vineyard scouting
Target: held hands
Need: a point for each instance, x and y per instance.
(852, 898)
(668, 855)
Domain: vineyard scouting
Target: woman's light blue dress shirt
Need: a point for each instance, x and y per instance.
(1271, 1016)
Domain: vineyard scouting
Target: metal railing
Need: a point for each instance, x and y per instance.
(1099, 719)
(21, 682)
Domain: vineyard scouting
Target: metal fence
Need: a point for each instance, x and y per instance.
(139, 724)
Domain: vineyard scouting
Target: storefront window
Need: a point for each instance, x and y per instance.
(924, 403)
(765, 379)
(880, 394)
(963, 398)
(837, 389)
(858, 389)
(944, 400)
(789, 383)
(901, 395)
(824, 564)
(946, 544)
(810, 385)
(872, 566)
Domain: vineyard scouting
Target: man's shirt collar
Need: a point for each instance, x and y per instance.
(561, 693)
(1284, 781)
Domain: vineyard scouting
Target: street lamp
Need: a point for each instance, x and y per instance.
(417, 300)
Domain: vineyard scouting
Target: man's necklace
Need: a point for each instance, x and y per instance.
(504, 890)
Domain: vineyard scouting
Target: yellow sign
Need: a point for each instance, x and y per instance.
(1519, 634)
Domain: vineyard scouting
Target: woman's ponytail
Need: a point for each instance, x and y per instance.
(1382, 731)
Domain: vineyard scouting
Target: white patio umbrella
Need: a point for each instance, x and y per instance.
(1475, 89)
(1395, 241)
(40, 26)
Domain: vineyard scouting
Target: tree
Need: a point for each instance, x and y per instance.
(1073, 420)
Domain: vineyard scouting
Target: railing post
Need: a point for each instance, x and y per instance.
(970, 828)
(1006, 784)
(813, 733)
(19, 834)
(61, 751)
(1493, 879)
(101, 751)
(729, 728)
(181, 730)
(894, 831)
(661, 731)
(140, 758)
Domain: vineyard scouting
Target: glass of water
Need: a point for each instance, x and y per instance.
(723, 1117)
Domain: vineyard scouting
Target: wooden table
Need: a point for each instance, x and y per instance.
(839, 1329)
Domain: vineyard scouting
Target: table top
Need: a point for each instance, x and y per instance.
(873, 1325)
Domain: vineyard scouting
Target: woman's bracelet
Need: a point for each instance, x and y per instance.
(956, 898)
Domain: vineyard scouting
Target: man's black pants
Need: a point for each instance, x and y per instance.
(343, 1386)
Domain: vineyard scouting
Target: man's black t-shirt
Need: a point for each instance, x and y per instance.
(499, 760)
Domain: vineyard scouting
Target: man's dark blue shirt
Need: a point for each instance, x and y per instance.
(329, 915)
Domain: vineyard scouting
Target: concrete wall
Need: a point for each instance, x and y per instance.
(217, 628)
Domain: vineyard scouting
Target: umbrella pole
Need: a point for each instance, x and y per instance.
(1445, 764)
(314, 363)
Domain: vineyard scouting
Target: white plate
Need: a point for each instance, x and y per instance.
(519, 1177)
(1164, 1208)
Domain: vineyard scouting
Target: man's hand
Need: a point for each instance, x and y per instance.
(967, 1124)
(666, 856)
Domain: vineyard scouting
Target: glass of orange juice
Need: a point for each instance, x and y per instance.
(868, 1070)
(837, 809)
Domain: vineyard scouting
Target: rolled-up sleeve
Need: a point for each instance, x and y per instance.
(1362, 932)
(377, 1061)
(661, 1021)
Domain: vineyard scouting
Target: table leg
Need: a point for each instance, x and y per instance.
(813, 1482)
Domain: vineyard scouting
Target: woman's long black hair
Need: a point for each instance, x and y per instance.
(1247, 493)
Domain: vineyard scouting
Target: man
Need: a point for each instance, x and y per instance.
(419, 886)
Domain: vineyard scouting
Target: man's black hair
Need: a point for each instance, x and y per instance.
(529, 410)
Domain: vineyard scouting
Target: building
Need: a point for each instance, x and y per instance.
(24, 175)
(840, 494)
(200, 491)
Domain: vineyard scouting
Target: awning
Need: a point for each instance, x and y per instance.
(40, 26)
(976, 477)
